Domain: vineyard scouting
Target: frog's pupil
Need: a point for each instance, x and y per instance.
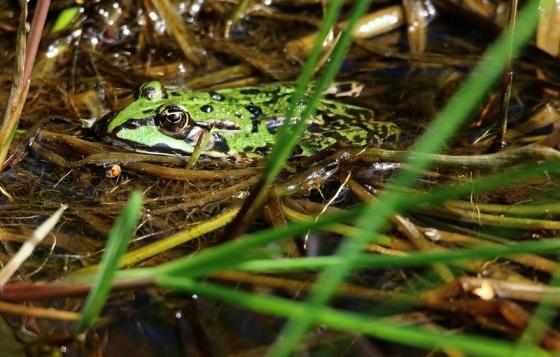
(174, 117)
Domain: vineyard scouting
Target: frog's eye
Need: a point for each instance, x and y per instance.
(173, 119)
(151, 91)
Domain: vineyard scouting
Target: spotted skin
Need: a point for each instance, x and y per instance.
(240, 121)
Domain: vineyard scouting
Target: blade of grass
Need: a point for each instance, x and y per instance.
(374, 216)
(548, 246)
(507, 83)
(120, 235)
(37, 25)
(353, 323)
(178, 29)
(288, 134)
(235, 251)
(18, 91)
(150, 250)
(65, 18)
(22, 74)
(541, 319)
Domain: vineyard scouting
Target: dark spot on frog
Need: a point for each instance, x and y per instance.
(207, 108)
(252, 91)
(314, 128)
(248, 149)
(275, 92)
(332, 134)
(257, 113)
(219, 144)
(147, 111)
(297, 150)
(263, 149)
(254, 110)
(217, 96)
(330, 106)
(175, 94)
(359, 113)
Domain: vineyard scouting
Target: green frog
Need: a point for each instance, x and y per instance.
(238, 122)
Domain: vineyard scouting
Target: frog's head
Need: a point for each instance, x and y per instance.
(154, 122)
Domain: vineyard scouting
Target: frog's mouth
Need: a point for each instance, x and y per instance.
(143, 135)
(135, 134)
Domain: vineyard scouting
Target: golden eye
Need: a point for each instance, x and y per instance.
(173, 119)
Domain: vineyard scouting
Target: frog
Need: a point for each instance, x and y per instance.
(239, 122)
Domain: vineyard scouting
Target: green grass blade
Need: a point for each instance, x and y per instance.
(287, 135)
(542, 317)
(233, 252)
(65, 18)
(373, 218)
(352, 323)
(370, 261)
(120, 235)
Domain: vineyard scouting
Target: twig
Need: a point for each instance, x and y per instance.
(18, 91)
(507, 82)
(501, 159)
(38, 312)
(524, 291)
(492, 220)
(150, 250)
(189, 44)
(25, 57)
(37, 25)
